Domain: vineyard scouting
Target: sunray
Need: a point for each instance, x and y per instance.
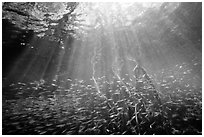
(42, 48)
(59, 63)
(19, 63)
(46, 65)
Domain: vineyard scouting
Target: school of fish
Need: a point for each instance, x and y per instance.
(42, 108)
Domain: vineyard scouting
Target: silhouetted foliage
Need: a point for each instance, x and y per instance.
(61, 20)
(56, 21)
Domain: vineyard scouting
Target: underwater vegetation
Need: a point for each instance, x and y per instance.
(46, 108)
